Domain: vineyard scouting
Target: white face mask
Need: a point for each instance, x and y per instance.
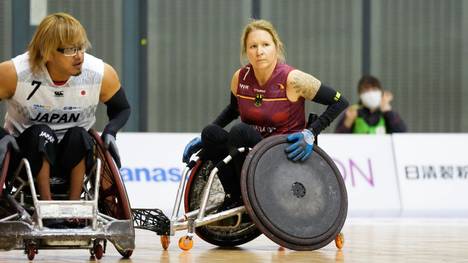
(371, 99)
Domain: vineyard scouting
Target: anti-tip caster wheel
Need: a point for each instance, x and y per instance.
(186, 243)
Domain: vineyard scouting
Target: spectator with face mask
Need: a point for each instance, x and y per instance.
(373, 114)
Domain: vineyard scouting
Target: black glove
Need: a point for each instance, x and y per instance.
(111, 146)
(6, 141)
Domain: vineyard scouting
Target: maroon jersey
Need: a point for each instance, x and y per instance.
(267, 107)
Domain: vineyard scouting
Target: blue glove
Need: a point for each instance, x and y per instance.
(301, 147)
(111, 146)
(192, 147)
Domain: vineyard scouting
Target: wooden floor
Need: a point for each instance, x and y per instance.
(367, 240)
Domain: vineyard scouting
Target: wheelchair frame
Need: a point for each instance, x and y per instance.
(28, 232)
(155, 220)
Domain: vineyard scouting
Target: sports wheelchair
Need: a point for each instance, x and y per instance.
(104, 207)
(300, 206)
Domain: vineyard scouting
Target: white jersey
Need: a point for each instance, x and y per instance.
(37, 100)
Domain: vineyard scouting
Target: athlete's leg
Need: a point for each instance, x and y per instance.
(76, 148)
(214, 142)
(215, 149)
(241, 135)
(38, 145)
(43, 181)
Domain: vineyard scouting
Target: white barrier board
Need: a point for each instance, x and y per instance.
(366, 164)
(152, 167)
(432, 171)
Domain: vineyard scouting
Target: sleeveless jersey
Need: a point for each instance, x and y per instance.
(37, 100)
(267, 107)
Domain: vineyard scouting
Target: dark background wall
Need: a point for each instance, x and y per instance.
(176, 57)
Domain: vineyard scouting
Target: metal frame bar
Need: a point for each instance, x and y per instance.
(197, 217)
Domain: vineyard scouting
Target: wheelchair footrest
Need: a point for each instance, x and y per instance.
(67, 209)
(151, 219)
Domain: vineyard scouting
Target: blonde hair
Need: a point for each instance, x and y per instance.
(54, 31)
(261, 25)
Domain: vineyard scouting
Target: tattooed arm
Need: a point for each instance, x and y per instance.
(300, 84)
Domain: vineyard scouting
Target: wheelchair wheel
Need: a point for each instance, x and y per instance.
(216, 233)
(298, 205)
(113, 199)
(4, 172)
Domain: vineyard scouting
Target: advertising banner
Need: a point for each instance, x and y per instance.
(433, 173)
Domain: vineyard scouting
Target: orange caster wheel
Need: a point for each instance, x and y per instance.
(339, 241)
(185, 243)
(165, 241)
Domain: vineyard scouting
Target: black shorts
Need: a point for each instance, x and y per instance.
(40, 141)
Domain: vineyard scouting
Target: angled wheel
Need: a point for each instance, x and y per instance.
(113, 198)
(4, 171)
(185, 243)
(298, 205)
(218, 233)
(339, 241)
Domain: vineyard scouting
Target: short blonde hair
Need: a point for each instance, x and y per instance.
(54, 31)
(261, 25)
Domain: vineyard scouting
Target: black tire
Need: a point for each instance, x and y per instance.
(223, 236)
(272, 150)
(113, 199)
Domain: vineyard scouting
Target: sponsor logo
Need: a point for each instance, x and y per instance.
(150, 174)
(48, 137)
(71, 108)
(243, 86)
(436, 172)
(38, 106)
(260, 91)
(356, 172)
(58, 93)
(264, 129)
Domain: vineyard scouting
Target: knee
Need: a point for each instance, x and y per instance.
(242, 135)
(38, 133)
(75, 133)
(76, 137)
(214, 142)
(213, 135)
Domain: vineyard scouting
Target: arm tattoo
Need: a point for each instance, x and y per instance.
(305, 85)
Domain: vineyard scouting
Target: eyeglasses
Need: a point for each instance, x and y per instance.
(71, 51)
